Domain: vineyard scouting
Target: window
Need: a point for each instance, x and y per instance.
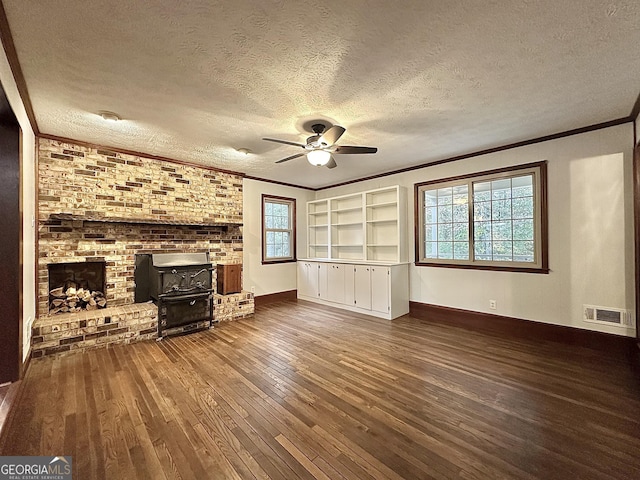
(495, 220)
(278, 229)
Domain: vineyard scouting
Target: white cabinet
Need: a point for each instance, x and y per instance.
(308, 279)
(380, 287)
(335, 280)
(365, 226)
(323, 292)
(362, 286)
(373, 289)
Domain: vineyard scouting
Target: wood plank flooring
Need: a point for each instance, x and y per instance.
(303, 391)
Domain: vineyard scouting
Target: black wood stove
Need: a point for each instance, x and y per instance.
(181, 285)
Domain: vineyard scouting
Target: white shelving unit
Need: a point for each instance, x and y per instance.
(367, 226)
(318, 226)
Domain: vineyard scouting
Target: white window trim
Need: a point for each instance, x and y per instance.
(540, 263)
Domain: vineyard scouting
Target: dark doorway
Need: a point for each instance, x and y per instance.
(10, 241)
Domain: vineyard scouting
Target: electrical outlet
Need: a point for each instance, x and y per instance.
(253, 289)
(493, 304)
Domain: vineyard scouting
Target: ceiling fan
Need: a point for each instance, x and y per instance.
(320, 146)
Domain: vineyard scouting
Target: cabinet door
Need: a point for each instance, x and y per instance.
(349, 284)
(335, 283)
(322, 281)
(308, 279)
(362, 287)
(380, 289)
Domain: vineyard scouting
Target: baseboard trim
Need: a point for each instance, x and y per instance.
(276, 297)
(520, 328)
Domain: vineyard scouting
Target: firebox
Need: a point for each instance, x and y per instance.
(74, 287)
(181, 285)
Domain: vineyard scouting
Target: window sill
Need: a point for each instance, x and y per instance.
(495, 268)
(270, 262)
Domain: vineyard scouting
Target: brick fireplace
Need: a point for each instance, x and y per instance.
(101, 206)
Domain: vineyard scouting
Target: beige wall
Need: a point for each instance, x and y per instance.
(590, 234)
(28, 200)
(277, 277)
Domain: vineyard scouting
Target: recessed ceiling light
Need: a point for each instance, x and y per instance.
(109, 116)
(244, 151)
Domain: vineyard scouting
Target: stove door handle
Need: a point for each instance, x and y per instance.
(198, 273)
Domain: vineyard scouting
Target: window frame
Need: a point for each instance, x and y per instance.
(541, 252)
(291, 202)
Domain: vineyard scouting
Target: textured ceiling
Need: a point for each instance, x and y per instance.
(421, 80)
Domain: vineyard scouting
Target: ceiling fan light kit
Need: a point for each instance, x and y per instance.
(319, 158)
(320, 146)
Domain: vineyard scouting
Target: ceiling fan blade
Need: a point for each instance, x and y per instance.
(332, 135)
(354, 150)
(332, 163)
(284, 141)
(290, 158)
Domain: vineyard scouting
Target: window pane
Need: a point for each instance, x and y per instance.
(445, 196)
(268, 208)
(523, 207)
(430, 249)
(430, 214)
(431, 233)
(430, 198)
(461, 213)
(461, 232)
(481, 192)
(482, 211)
(523, 229)
(523, 251)
(501, 189)
(271, 237)
(501, 209)
(286, 252)
(483, 248)
(501, 230)
(270, 251)
(461, 250)
(445, 250)
(445, 232)
(482, 231)
(502, 251)
(522, 186)
(445, 214)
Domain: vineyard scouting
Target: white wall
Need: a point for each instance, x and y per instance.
(590, 234)
(28, 200)
(273, 278)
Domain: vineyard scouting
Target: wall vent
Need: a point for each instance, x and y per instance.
(607, 316)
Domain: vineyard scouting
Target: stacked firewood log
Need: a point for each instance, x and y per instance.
(72, 298)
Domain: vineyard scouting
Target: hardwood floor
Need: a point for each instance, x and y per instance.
(303, 391)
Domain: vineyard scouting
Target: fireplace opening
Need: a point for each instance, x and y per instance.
(74, 287)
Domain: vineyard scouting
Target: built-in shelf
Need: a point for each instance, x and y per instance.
(383, 204)
(361, 226)
(390, 220)
(141, 221)
(350, 209)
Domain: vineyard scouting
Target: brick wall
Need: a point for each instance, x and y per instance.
(143, 206)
